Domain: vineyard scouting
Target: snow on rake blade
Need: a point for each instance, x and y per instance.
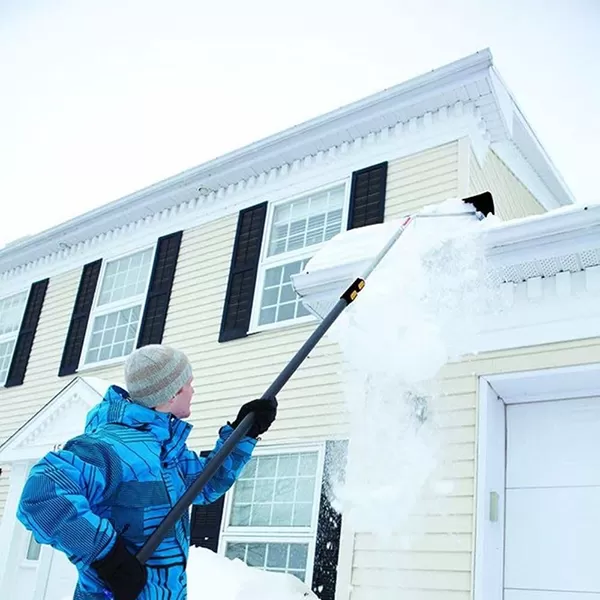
(352, 253)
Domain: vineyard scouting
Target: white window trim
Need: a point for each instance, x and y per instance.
(96, 311)
(290, 535)
(266, 262)
(8, 337)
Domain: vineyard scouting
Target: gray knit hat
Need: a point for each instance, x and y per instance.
(155, 373)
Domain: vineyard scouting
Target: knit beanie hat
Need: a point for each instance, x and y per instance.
(155, 373)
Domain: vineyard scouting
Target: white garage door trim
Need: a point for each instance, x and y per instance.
(582, 381)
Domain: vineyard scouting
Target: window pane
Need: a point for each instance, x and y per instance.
(6, 350)
(11, 312)
(113, 335)
(126, 277)
(279, 302)
(272, 494)
(282, 514)
(34, 549)
(272, 556)
(240, 515)
(302, 514)
(306, 221)
(236, 551)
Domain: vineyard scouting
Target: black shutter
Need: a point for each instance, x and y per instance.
(206, 522)
(367, 196)
(330, 523)
(24, 343)
(79, 318)
(242, 274)
(159, 291)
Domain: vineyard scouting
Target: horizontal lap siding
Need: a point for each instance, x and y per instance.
(512, 199)
(19, 404)
(421, 179)
(231, 373)
(431, 559)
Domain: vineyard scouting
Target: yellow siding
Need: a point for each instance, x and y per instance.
(421, 179)
(439, 564)
(513, 200)
(311, 405)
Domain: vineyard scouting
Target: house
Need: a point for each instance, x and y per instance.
(203, 261)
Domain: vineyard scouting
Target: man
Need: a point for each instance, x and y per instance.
(101, 496)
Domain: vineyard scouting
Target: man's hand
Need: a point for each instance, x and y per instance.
(121, 571)
(265, 411)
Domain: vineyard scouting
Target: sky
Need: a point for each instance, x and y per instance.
(100, 99)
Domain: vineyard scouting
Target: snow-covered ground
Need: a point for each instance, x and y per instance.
(213, 577)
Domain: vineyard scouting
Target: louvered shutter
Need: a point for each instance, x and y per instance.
(367, 196)
(24, 343)
(79, 318)
(241, 283)
(159, 290)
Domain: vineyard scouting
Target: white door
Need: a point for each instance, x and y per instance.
(552, 521)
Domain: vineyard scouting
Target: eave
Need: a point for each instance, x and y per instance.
(469, 81)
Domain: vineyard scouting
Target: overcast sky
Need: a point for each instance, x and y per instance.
(99, 99)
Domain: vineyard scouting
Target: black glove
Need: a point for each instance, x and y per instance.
(122, 572)
(264, 411)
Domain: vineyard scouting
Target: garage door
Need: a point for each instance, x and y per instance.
(552, 533)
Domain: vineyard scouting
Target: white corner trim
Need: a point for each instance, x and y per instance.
(343, 586)
(444, 126)
(18, 475)
(464, 167)
(488, 556)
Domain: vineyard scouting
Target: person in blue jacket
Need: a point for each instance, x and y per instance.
(100, 497)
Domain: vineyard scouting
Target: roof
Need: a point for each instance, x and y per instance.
(472, 79)
(564, 240)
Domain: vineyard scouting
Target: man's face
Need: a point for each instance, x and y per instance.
(181, 405)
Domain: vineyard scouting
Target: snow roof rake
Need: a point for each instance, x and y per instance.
(375, 243)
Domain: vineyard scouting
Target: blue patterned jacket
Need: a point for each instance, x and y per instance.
(122, 476)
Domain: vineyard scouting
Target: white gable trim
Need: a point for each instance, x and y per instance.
(61, 419)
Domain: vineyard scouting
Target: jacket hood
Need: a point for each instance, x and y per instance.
(117, 408)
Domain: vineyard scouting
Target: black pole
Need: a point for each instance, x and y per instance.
(482, 202)
(242, 429)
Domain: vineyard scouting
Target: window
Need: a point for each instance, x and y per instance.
(118, 307)
(272, 512)
(295, 231)
(33, 549)
(11, 314)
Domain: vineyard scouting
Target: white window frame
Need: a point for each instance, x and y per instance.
(114, 307)
(266, 262)
(286, 535)
(8, 337)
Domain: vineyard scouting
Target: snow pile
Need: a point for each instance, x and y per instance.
(413, 317)
(214, 577)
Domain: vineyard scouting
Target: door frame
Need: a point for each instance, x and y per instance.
(495, 392)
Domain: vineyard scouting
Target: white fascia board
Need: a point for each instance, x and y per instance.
(406, 139)
(566, 224)
(262, 155)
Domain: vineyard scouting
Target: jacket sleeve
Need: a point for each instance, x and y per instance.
(191, 465)
(57, 500)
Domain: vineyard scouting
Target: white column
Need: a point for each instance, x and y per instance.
(18, 475)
